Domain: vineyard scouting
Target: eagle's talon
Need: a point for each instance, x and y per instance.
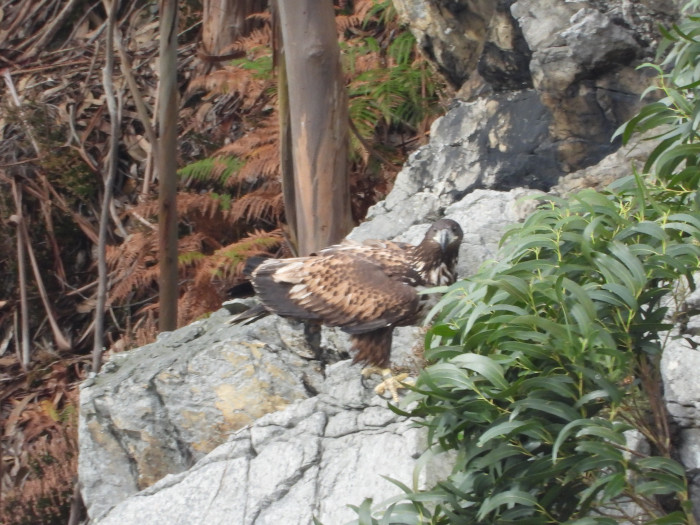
(391, 383)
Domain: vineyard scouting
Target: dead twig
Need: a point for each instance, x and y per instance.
(15, 99)
(22, 278)
(144, 113)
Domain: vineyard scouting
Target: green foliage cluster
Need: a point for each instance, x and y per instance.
(63, 165)
(677, 113)
(398, 92)
(544, 361)
(70, 173)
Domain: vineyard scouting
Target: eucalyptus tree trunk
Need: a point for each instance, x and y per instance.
(285, 130)
(317, 124)
(167, 167)
(225, 21)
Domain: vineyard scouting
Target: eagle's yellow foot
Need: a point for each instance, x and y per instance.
(391, 383)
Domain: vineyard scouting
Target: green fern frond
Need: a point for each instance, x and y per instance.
(403, 94)
(261, 66)
(224, 200)
(402, 48)
(381, 12)
(189, 258)
(216, 169)
(230, 258)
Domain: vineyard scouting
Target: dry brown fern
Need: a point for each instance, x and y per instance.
(39, 444)
(238, 78)
(264, 204)
(226, 263)
(221, 270)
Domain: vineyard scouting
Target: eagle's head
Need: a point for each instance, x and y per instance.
(447, 234)
(438, 252)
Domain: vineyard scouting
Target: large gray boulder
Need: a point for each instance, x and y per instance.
(309, 460)
(158, 409)
(579, 56)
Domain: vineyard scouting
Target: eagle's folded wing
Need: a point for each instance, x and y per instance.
(392, 257)
(338, 289)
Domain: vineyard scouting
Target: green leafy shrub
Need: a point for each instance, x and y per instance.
(542, 362)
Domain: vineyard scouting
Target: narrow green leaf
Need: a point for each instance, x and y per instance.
(484, 366)
(509, 497)
(502, 430)
(661, 464)
(554, 408)
(674, 518)
(623, 293)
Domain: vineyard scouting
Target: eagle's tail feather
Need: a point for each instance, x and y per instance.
(253, 313)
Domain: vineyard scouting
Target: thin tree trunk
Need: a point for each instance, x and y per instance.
(319, 122)
(167, 166)
(286, 151)
(108, 71)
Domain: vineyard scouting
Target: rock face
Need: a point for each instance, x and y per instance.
(270, 423)
(680, 363)
(158, 409)
(291, 466)
(579, 57)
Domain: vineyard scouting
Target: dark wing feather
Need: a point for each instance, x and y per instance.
(274, 292)
(338, 289)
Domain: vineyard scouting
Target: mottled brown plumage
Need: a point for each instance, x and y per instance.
(365, 289)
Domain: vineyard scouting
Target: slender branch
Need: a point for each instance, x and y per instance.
(110, 97)
(77, 506)
(22, 275)
(50, 231)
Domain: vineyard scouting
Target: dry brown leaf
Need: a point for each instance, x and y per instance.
(13, 418)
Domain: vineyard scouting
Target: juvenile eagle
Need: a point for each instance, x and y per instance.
(365, 289)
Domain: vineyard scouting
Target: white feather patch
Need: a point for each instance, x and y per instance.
(289, 273)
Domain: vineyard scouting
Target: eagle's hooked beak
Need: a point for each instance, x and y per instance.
(444, 238)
